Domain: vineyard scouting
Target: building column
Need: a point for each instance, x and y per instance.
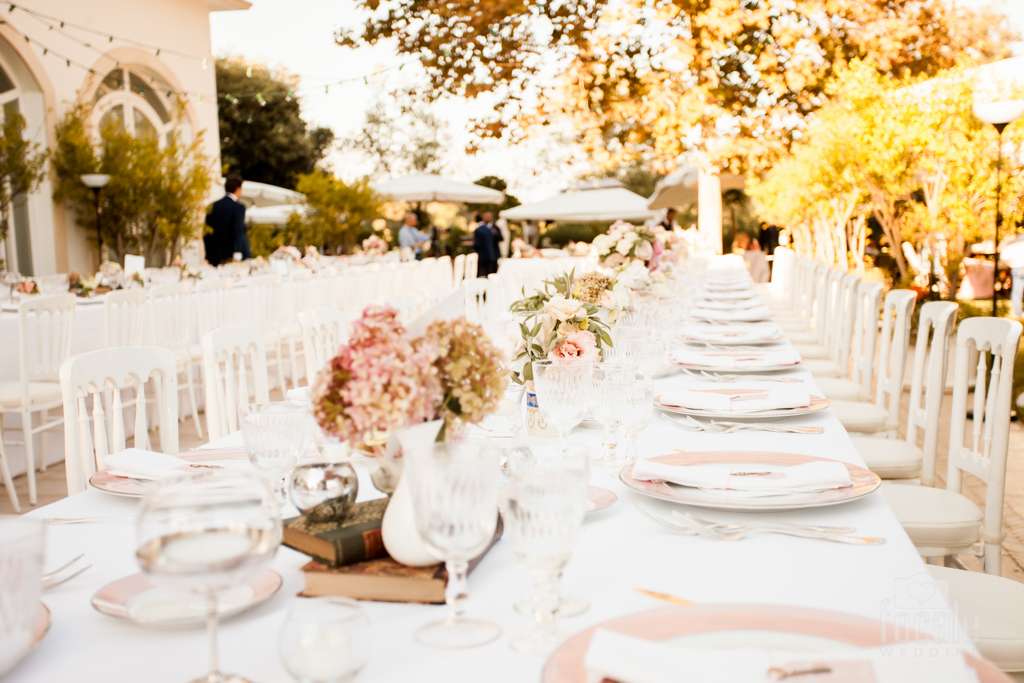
(709, 207)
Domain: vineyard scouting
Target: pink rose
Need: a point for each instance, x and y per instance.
(614, 260)
(579, 345)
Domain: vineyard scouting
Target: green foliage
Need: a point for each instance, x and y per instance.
(635, 174)
(267, 142)
(337, 212)
(155, 201)
(495, 183)
(562, 233)
(21, 164)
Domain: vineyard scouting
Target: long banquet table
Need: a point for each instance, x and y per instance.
(620, 550)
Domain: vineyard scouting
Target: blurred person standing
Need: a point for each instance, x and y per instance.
(487, 244)
(227, 240)
(409, 237)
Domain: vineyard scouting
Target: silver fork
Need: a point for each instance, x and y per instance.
(741, 531)
(749, 378)
(716, 426)
(51, 575)
(808, 527)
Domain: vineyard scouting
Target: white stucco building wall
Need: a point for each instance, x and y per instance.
(44, 238)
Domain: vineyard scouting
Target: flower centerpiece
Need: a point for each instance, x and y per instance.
(622, 244)
(558, 324)
(604, 291)
(374, 245)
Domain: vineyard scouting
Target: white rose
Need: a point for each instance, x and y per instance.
(608, 299)
(603, 244)
(645, 251)
(621, 296)
(624, 246)
(561, 308)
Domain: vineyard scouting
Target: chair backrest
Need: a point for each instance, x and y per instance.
(867, 311)
(833, 311)
(472, 264)
(123, 315)
(325, 288)
(847, 319)
(432, 296)
(405, 304)
(458, 270)
(996, 341)
(170, 315)
(215, 300)
(265, 302)
(46, 334)
(229, 355)
(476, 299)
(324, 330)
(897, 311)
(101, 374)
(928, 380)
(444, 274)
(298, 293)
(815, 299)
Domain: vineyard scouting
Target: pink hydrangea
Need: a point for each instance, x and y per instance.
(578, 345)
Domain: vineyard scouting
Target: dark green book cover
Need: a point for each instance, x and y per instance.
(356, 538)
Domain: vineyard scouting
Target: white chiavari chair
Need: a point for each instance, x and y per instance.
(833, 314)
(46, 332)
(901, 459)
(123, 317)
(99, 375)
(867, 313)
(458, 270)
(944, 522)
(405, 304)
(808, 325)
(476, 291)
(215, 303)
(324, 330)
(839, 336)
(444, 275)
(230, 354)
(265, 305)
(170, 317)
(472, 265)
(432, 296)
(883, 415)
(299, 294)
(325, 288)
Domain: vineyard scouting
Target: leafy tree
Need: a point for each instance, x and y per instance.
(733, 81)
(262, 134)
(636, 175)
(336, 212)
(495, 183)
(404, 138)
(21, 165)
(154, 204)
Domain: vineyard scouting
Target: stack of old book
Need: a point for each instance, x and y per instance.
(349, 559)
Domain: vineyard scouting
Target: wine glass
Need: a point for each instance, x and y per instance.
(647, 352)
(325, 640)
(563, 389)
(21, 572)
(455, 499)
(609, 380)
(635, 404)
(275, 434)
(207, 533)
(546, 503)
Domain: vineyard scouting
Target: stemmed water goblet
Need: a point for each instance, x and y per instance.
(325, 640)
(563, 389)
(610, 379)
(546, 503)
(207, 533)
(455, 499)
(635, 404)
(275, 434)
(647, 353)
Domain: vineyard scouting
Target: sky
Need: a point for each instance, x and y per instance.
(299, 36)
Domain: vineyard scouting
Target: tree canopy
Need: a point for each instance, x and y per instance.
(262, 134)
(407, 137)
(734, 81)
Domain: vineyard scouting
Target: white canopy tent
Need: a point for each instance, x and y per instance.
(426, 187)
(261, 194)
(602, 204)
(681, 188)
(272, 215)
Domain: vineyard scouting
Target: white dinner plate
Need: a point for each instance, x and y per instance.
(864, 482)
(136, 488)
(740, 371)
(817, 403)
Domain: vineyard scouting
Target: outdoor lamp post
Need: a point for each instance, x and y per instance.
(999, 114)
(96, 182)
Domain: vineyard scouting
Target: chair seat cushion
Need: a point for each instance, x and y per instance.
(890, 458)
(934, 517)
(997, 605)
(38, 392)
(824, 368)
(863, 417)
(837, 389)
(811, 351)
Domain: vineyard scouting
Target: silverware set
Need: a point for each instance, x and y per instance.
(51, 579)
(706, 376)
(689, 424)
(720, 531)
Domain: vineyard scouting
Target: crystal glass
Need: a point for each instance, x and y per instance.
(207, 533)
(563, 389)
(455, 499)
(544, 511)
(53, 284)
(325, 640)
(632, 314)
(610, 379)
(275, 434)
(635, 405)
(21, 572)
(647, 352)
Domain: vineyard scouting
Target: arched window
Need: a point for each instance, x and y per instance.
(140, 102)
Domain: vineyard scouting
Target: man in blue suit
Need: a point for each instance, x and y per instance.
(486, 241)
(227, 241)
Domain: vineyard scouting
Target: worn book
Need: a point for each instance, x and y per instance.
(384, 579)
(356, 538)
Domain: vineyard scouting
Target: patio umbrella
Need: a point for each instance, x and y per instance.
(426, 187)
(272, 215)
(260, 194)
(680, 188)
(602, 204)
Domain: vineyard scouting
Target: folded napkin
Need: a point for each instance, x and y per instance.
(810, 477)
(761, 312)
(727, 305)
(727, 285)
(774, 399)
(139, 464)
(731, 334)
(737, 359)
(628, 659)
(300, 395)
(729, 295)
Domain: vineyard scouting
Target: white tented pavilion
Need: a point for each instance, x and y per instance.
(427, 187)
(583, 205)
